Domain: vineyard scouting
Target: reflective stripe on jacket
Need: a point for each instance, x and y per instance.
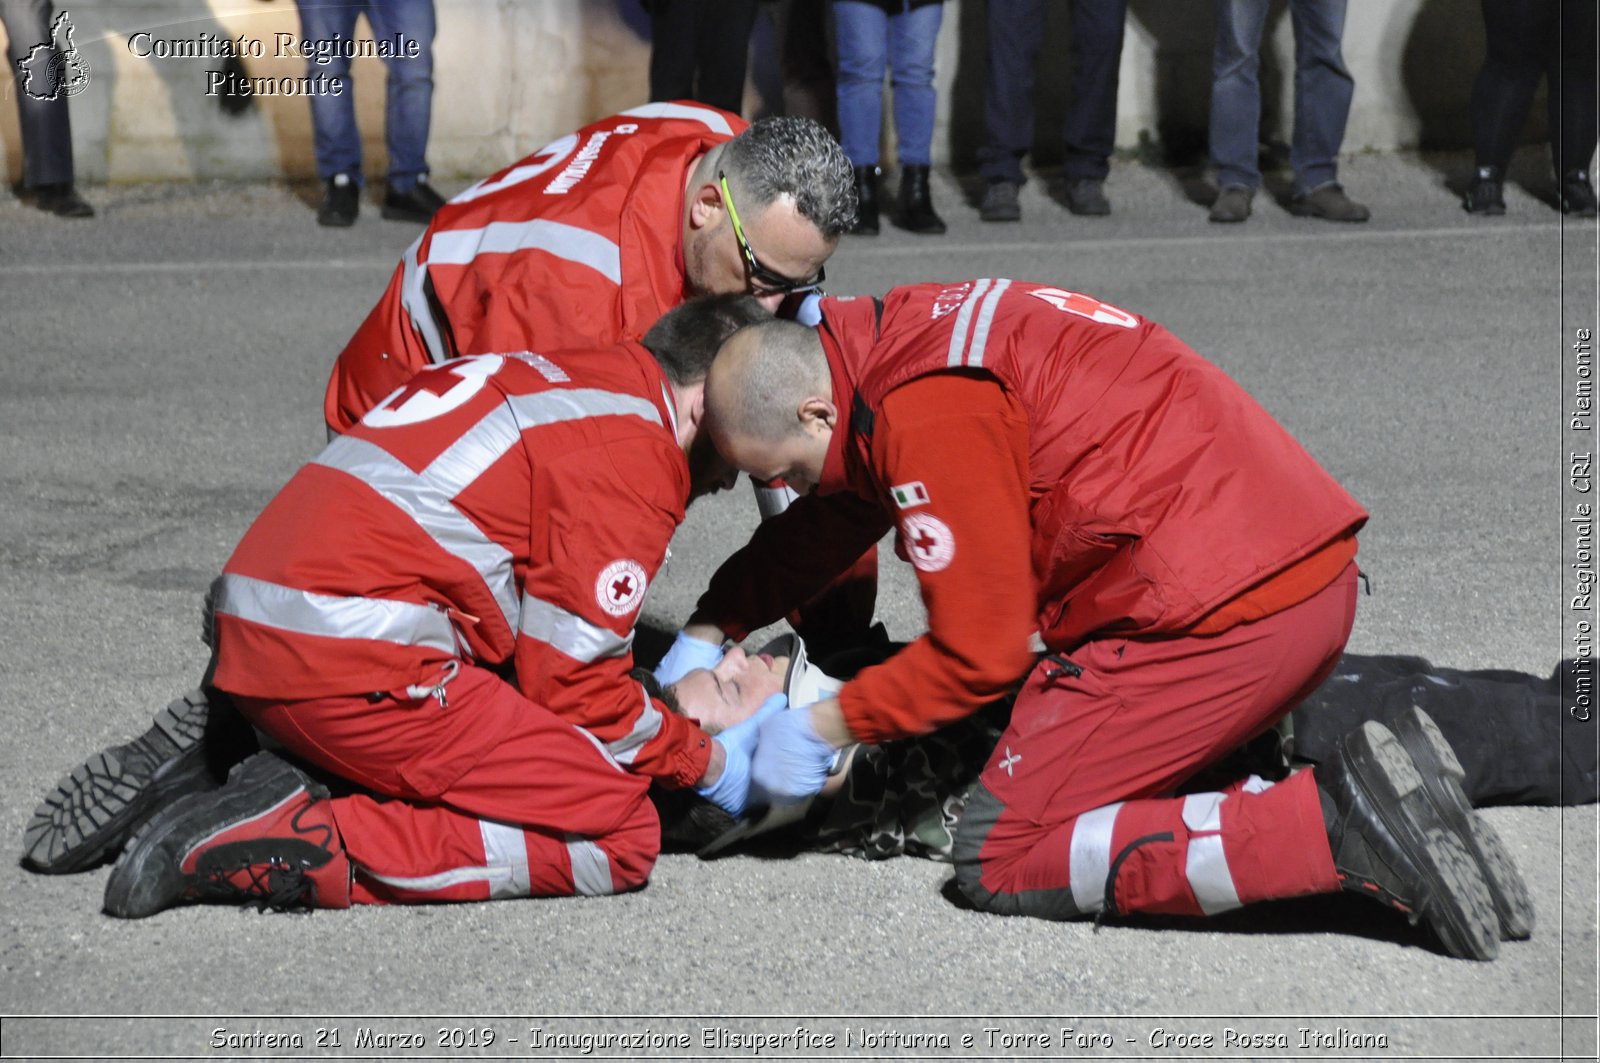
(577, 245)
(500, 510)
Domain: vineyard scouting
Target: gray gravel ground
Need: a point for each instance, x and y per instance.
(163, 370)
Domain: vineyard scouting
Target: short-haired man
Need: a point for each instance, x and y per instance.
(593, 237)
(500, 514)
(1061, 469)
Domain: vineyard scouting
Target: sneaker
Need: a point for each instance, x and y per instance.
(1000, 202)
(341, 202)
(419, 204)
(1391, 844)
(1577, 194)
(1441, 778)
(266, 838)
(1232, 204)
(1486, 194)
(1088, 197)
(1329, 203)
(62, 200)
(96, 807)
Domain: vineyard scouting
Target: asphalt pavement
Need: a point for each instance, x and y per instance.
(163, 367)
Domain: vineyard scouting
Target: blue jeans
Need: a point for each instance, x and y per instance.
(46, 127)
(409, 105)
(871, 41)
(1016, 30)
(1322, 91)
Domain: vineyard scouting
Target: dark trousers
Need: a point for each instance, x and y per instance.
(1512, 732)
(1530, 39)
(1016, 29)
(699, 50)
(46, 128)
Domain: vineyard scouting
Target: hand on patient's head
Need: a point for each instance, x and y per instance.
(731, 789)
(685, 655)
(730, 692)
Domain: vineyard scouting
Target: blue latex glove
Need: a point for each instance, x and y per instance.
(791, 762)
(731, 791)
(687, 654)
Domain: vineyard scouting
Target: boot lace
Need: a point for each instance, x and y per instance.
(274, 883)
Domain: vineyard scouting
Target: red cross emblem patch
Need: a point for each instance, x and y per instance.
(928, 541)
(620, 588)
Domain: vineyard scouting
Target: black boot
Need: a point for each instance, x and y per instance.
(1442, 775)
(866, 201)
(96, 807)
(1390, 843)
(916, 205)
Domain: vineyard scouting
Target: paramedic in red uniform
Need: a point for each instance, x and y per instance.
(583, 244)
(499, 514)
(1062, 470)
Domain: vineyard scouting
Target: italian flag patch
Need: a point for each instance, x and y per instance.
(909, 494)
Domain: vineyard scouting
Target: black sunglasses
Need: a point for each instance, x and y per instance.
(760, 279)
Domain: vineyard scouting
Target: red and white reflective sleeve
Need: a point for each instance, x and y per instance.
(953, 452)
(598, 540)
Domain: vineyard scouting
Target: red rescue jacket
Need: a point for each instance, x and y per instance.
(577, 245)
(1160, 489)
(498, 510)
(1157, 488)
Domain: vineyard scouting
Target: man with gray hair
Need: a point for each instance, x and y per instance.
(587, 241)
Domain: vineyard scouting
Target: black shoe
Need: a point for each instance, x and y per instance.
(866, 223)
(419, 204)
(1486, 195)
(95, 808)
(1232, 204)
(1000, 202)
(1391, 844)
(62, 200)
(266, 838)
(1088, 197)
(1328, 203)
(1577, 194)
(1441, 778)
(916, 212)
(340, 202)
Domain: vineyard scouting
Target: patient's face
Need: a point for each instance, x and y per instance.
(732, 691)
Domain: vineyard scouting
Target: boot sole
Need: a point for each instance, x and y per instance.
(96, 807)
(1441, 776)
(1458, 908)
(137, 888)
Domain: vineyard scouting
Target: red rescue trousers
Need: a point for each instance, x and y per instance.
(1073, 815)
(486, 796)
